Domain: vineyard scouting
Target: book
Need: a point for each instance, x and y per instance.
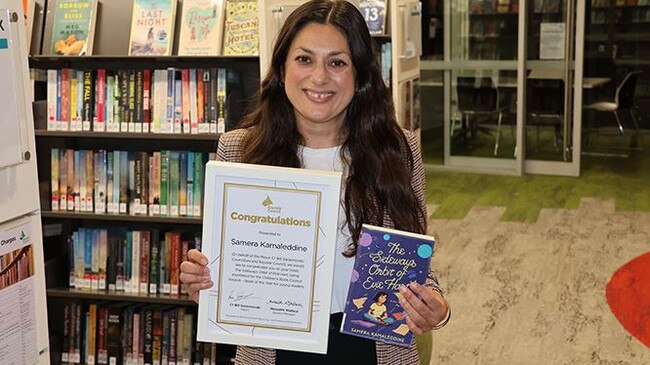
(374, 13)
(241, 28)
(152, 27)
(201, 28)
(73, 27)
(385, 260)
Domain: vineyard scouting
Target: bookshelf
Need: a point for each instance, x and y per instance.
(111, 43)
(617, 35)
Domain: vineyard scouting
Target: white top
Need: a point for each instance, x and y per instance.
(330, 159)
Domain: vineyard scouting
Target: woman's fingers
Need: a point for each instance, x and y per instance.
(422, 305)
(195, 273)
(197, 257)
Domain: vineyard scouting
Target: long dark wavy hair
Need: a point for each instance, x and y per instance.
(374, 148)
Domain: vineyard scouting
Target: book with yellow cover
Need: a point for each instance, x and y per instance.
(241, 29)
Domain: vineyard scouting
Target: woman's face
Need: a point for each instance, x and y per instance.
(319, 77)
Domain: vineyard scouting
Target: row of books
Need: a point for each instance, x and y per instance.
(494, 6)
(157, 101)
(606, 3)
(132, 261)
(160, 183)
(208, 27)
(103, 333)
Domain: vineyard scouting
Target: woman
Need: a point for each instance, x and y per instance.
(324, 105)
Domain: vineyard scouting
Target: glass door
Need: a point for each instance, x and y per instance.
(482, 85)
(553, 87)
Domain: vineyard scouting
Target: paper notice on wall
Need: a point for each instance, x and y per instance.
(551, 44)
(18, 341)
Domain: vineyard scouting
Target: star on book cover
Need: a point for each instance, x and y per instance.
(386, 258)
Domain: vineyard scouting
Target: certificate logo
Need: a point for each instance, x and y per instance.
(268, 204)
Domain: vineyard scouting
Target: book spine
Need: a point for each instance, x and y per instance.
(200, 104)
(182, 194)
(154, 268)
(90, 180)
(221, 100)
(144, 182)
(185, 102)
(103, 258)
(92, 334)
(131, 186)
(164, 182)
(207, 110)
(175, 261)
(190, 183)
(174, 182)
(178, 106)
(52, 100)
(100, 119)
(171, 75)
(131, 111)
(136, 244)
(173, 328)
(54, 180)
(88, 102)
(74, 84)
(110, 103)
(145, 254)
(194, 120)
(184, 248)
(146, 101)
(66, 332)
(124, 181)
(213, 100)
(138, 100)
(109, 182)
(199, 166)
(65, 98)
(148, 337)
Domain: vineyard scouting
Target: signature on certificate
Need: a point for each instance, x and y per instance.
(239, 296)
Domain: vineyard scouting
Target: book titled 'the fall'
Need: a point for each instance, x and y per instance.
(386, 258)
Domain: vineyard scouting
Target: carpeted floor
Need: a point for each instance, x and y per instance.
(534, 292)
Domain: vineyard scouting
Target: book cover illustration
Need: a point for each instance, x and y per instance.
(374, 12)
(73, 27)
(386, 259)
(152, 27)
(201, 28)
(241, 29)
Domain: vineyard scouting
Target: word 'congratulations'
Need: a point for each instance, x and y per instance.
(287, 221)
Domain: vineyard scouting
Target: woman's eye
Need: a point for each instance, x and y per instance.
(338, 63)
(302, 59)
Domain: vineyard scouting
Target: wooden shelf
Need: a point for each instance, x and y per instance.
(127, 135)
(140, 62)
(118, 296)
(122, 217)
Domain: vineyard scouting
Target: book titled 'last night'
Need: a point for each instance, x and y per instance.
(386, 258)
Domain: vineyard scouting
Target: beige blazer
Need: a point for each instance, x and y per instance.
(229, 149)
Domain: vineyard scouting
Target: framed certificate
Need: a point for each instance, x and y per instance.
(269, 234)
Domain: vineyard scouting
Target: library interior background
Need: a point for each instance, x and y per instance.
(534, 120)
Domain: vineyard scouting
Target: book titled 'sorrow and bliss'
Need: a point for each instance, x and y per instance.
(386, 258)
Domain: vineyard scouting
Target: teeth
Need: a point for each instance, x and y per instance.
(318, 96)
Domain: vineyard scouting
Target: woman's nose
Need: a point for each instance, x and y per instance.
(319, 74)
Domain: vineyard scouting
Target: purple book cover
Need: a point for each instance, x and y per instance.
(386, 258)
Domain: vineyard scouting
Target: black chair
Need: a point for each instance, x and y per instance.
(479, 97)
(545, 106)
(622, 101)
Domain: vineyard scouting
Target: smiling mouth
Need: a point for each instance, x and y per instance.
(318, 97)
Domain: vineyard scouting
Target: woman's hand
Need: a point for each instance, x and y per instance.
(426, 308)
(195, 273)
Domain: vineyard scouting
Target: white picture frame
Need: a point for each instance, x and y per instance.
(270, 235)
